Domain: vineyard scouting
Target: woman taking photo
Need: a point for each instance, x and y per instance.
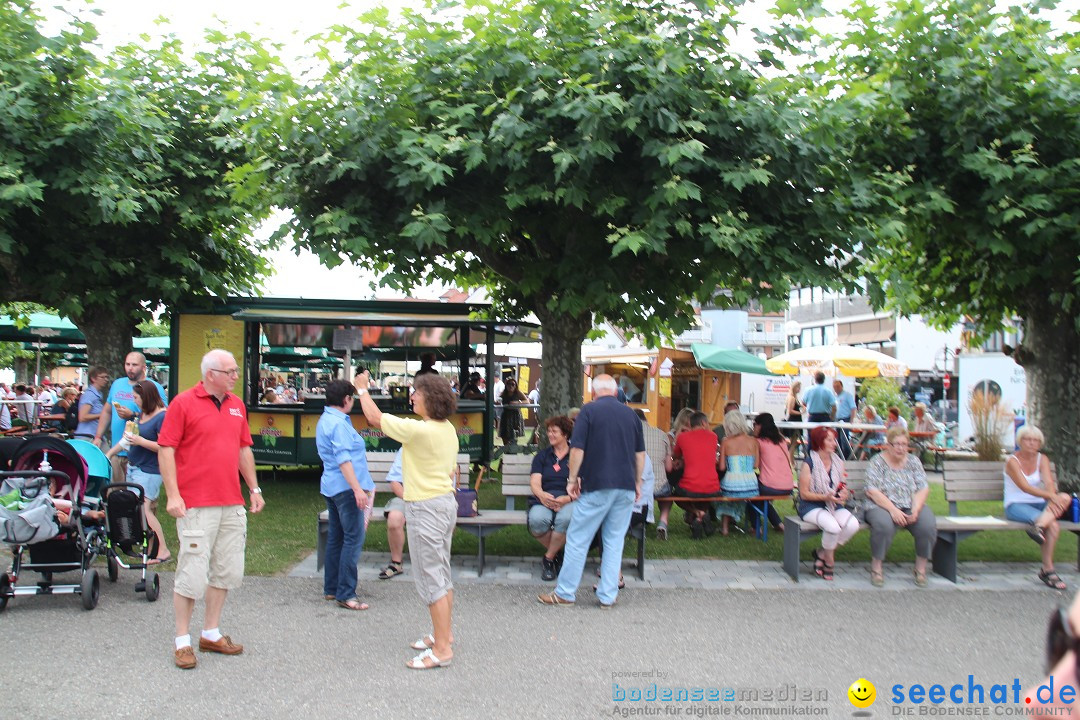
(1032, 497)
(143, 469)
(896, 492)
(822, 495)
(429, 449)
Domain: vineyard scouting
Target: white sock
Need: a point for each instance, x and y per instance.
(183, 641)
(213, 634)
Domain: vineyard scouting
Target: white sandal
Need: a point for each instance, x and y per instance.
(417, 663)
(425, 643)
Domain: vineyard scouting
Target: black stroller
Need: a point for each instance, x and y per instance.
(126, 533)
(45, 516)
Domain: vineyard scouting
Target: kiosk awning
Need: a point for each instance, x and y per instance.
(711, 357)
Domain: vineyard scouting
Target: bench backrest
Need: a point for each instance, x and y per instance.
(379, 465)
(973, 480)
(516, 470)
(856, 477)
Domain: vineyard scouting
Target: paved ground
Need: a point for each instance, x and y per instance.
(515, 658)
(734, 575)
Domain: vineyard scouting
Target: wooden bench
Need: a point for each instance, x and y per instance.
(974, 480)
(378, 466)
(762, 532)
(516, 470)
(796, 530)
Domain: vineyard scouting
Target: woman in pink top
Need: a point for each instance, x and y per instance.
(775, 470)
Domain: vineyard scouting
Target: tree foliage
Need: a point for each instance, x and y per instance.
(966, 124)
(615, 160)
(115, 193)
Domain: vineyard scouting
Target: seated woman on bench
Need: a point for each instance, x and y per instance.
(696, 447)
(822, 495)
(550, 508)
(896, 493)
(1032, 497)
(740, 457)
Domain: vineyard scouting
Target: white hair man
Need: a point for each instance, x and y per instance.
(607, 459)
(205, 443)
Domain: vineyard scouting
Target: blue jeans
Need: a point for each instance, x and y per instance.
(610, 509)
(344, 541)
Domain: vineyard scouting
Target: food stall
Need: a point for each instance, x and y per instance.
(310, 342)
(663, 381)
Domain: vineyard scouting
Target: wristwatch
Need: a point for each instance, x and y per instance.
(256, 490)
(360, 392)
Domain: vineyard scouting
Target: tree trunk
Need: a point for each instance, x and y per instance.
(561, 361)
(1051, 358)
(108, 334)
(22, 370)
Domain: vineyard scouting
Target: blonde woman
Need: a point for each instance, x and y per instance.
(674, 469)
(739, 462)
(1032, 497)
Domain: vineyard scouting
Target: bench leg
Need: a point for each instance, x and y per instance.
(320, 545)
(792, 538)
(480, 553)
(641, 553)
(945, 555)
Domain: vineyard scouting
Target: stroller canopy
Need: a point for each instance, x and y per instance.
(62, 457)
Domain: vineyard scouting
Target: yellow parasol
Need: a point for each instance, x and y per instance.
(837, 359)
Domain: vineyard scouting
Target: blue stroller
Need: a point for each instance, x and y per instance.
(125, 532)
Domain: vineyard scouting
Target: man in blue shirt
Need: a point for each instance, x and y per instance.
(607, 461)
(345, 484)
(120, 407)
(844, 411)
(819, 400)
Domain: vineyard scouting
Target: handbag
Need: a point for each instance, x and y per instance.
(467, 497)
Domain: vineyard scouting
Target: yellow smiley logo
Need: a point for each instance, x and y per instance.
(862, 693)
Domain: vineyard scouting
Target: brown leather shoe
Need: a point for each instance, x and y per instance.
(185, 658)
(225, 646)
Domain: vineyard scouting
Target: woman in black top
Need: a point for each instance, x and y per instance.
(510, 426)
(550, 508)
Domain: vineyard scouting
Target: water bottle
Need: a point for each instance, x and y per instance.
(1074, 509)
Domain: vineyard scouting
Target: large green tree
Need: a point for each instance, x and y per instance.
(584, 161)
(968, 145)
(115, 189)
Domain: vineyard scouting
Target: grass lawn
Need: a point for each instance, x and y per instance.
(284, 533)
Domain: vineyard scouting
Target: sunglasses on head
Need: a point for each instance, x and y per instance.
(1060, 639)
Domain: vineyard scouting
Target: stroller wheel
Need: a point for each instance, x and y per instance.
(114, 569)
(5, 589)
(153, 588)
(91, 586)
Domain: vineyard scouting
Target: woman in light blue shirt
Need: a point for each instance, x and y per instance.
(347, 486)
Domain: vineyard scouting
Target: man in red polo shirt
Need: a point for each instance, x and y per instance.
(205, 443)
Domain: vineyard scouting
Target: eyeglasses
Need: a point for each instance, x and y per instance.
(900, 445)
(1060, 639)
(235, 372)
